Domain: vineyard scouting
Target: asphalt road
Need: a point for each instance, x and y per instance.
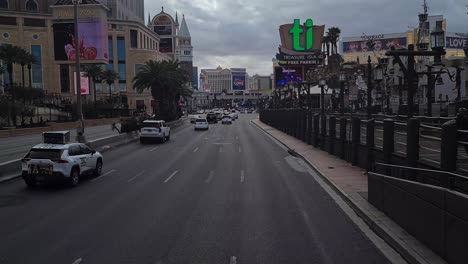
(16, 147)
(227, 195)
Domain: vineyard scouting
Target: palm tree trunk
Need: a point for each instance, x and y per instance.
(12, 91)
(22, 82)
(30, 78)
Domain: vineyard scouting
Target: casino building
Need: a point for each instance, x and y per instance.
(116, 40)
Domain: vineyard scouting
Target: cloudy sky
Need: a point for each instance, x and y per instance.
(244, 33)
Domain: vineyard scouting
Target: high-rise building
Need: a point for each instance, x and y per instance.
(221, 80)
(259, 82)
(133, 10)
(176, 40)
(195, 78)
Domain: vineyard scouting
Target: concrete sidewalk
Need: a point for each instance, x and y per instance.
(351, 184)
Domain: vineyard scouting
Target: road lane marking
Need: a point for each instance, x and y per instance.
(210, 177)
(153, 149)
(220, 149)
(78, 261)
(103, 175)
(195, 150)
(170, 177)
(136, 176)
(233, 260)
(240, 150)
(222, 143)
(242, 177)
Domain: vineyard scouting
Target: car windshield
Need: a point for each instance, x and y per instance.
(153, 125)
(201, 121)
(44, 154)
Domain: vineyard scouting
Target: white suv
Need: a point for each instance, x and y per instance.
(154, 129)
(60, 163)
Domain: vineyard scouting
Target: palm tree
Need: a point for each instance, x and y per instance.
(109, 76)
(94, 72)
(167, 82)
(24, 58)
(8, 55)
(334, 35)
(326, 44)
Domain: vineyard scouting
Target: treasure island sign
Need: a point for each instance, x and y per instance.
(300, 50)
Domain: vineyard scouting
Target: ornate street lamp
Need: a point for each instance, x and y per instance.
(378, 73)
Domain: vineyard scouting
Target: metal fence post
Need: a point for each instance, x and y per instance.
(356, 140)
(343, 125)
(332, 134)
(309, 127)
(370, 143)
(304, 125)
(412, 142)
(316, 130)
(323, 127)
(449, 146)
(388, 139)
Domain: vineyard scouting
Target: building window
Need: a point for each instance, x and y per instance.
(186, 52)
(122, 72)
(111, 49)
(438, 25)
(137, 68)
(98, 87)
(36, 51)
(133, 39)
(64, 78)
(121, 48)
(31, 5)
(4, 4)
(122, 87)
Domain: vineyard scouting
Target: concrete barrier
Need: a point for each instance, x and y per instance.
(53, 126)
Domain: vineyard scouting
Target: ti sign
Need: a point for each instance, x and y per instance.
(297, 30)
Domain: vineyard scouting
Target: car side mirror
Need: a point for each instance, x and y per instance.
(93, 152)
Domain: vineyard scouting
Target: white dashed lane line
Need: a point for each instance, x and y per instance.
(103, 175)
(136, 176)
(170, 177)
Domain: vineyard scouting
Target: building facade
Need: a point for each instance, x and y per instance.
(221, 80)
(260, 82)
(195, 79)
(133, 10)
(176, 41)
(120, 45)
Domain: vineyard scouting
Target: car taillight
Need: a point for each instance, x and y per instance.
(59, 160)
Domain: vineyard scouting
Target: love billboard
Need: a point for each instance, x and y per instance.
(238, 82)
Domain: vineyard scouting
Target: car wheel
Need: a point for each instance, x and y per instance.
(163, 139)
(74, 178)
(98, 169)
(142, 141)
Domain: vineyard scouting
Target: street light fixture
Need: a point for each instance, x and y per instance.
(378, 73)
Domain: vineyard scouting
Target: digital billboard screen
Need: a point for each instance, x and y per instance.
(379, 45)
(84, 83)
(93, 40)
(238, 82)
(165, 45)
(288, 75)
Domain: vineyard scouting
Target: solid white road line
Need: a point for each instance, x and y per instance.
(210, 177)
(195, 150)
(103, 175)
(170, 177)
(78, 261)
(136, 176)
(242, 178)
(153, 149)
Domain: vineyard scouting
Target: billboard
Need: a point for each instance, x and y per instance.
(93, 45)
(288, 39)
(165, 45)
(238, 82)
(381, 43)
(84, 83)
(455, 42)
(288, 75)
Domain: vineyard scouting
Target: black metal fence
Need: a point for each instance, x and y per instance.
(412, 143)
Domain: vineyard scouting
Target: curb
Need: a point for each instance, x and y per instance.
(410, 257)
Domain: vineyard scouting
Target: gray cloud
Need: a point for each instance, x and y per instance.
(244, 33)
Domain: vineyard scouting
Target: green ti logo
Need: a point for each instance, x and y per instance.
(297, 31)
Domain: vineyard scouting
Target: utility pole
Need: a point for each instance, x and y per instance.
(79, 111)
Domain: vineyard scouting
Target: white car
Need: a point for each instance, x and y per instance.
(226, 119)
(155, 130)
(60, 163)
(201, 124)
(235, 115)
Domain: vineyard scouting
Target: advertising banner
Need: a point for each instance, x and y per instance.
(455, 42)
(238, 82)
(306, 59)
(288, 75)
(84, 83)
(93, 41)
(380, 44)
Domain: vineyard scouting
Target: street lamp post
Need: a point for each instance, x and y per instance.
(322, 84)
(79, 111)
(369, 87)
(342, 87)
(378, 75)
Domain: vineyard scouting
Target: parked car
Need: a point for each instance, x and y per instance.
(201, 124)
(154, 130)
(60, 163)
(226, 119)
